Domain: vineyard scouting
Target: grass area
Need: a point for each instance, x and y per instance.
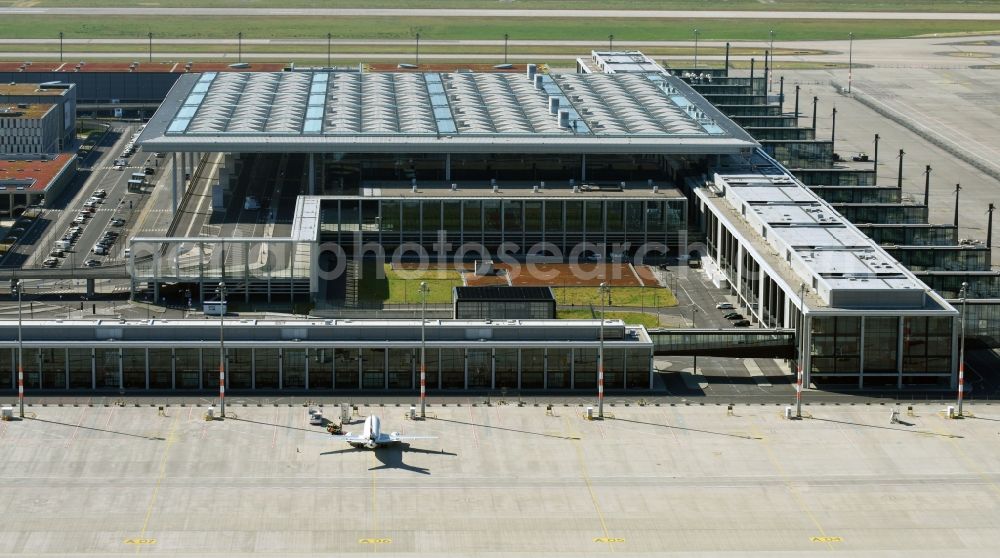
(186, 27)
(648, 320)
(620, 296)
(754, 5)
(403, 287)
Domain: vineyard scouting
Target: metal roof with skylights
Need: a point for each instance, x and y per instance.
(440, 112)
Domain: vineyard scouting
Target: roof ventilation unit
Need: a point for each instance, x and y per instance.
(553, 105)
(534, 188)
(532, 70)
(563, 118)
(454, 187)
(538, 81)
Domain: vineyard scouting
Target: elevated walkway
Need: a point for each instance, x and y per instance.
(734, 343)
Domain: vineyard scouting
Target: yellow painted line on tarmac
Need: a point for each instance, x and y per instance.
(171, 438)
(827, 539)
(585, 475)
(795, 495)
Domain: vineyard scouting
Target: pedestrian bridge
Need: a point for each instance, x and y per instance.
(735, 343)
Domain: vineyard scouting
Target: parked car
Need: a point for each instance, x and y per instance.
(741, 323)
(100, 193)
(724, 306)
(92, 263)
(733, 316)
(116, 222)
(50, 262)
(57, 253)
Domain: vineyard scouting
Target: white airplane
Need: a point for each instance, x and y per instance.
(372, 436)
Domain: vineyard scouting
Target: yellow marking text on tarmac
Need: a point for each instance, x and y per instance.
(374, 541)
(609, 540)
(827, 539)
(140, 541)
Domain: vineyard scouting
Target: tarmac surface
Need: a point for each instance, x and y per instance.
(508, 480)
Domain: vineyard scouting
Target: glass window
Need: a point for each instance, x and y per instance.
(584, 368)
(881, 340)
(106, 362)
(532, 368)
(633, 216)
(512, 216)
(637, 368)
(655, 220)
(559, 364)
(491, 216)
(574, 216)
(239, 367)
(411, 216)
(616, 217)
(321, 370)
(472, 216)
(80, 371)
(6, 368)
(402, 363)
(614, 368)
(553, 216)
(595, 216)
(161, 363)
(187, 368)
(373, 368)
(452, 216)
(390, 215)
(533, 216)
(432, 215)
(293, 368)
(346, 367)
(432, 360)
(265, 368)
(453, 368)
(53, 366)
(506, 368)
(134, 368)
(480, 368)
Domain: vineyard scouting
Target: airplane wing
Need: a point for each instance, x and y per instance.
(401, 438)
(349, 438)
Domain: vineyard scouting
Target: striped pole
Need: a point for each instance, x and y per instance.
(20, 345)
(961, 385)
(961, 352)
(222, 388)
(423, 385)
(423, 348)
(798, 392)
(20, 383)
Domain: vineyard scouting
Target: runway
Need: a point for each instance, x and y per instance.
(560, 14)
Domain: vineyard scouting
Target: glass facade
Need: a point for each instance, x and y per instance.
(949, 258)
(914, 234)
(525, 222)
(813, 154)
(273, 369)
(882, 213)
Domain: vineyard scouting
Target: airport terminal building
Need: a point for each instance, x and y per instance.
(612, 160)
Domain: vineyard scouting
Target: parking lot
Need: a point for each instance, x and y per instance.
(646, 481)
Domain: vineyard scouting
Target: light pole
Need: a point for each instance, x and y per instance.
(611, 42)
(329, 36)
(222, 351)
(603, 289)
(961, 351)
(239, 43)
(850, 60)
(505, 38)
(771, 68)
(802, 349)
(150, 46)
(417, 62)
(60, 46)
(695, 49)
(20, 357)
(423, 348)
